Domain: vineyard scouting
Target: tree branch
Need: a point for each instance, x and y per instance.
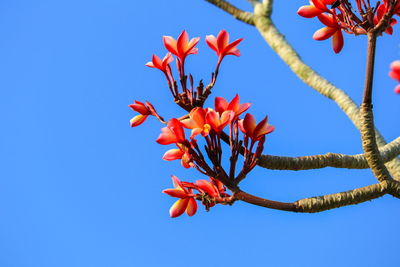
(326, 202)
(278, 43)
(237, 13)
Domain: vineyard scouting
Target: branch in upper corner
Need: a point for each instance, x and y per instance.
(239, 14)
(278, 43)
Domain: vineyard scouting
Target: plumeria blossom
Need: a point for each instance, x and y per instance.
(395, 74)
(171, 134)
(218, 122)
(332, 29)
(253, 130)
(315, 8)
(181, 47)
(197, 122)
(182, 153)
(381, 11)
(186, 202)
(221, 105)
(221, 45)
(143, 110)
(163, 64)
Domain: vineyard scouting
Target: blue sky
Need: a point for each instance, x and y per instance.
(79, 187)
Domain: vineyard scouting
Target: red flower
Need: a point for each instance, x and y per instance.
(333, 30)
(205, 186)
(197, 122)
(381, 11)
(144, 113)
(181, 153)
(222, 105)
(186, 200)
(316, 8)
(218, 122)
(395, 74)
(181, 47)
(253, 130)
(162, 65)
(173, 133)
(222, 46)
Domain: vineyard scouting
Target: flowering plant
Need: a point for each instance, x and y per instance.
(203, 149)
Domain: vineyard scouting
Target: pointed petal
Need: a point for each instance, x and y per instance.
(262, 129)
(189, 123)
(179, 207)
(231, 48)
(190, 49)
(191, 207)
(249, 124)
(212, 43)
(166, 137)
(234, 104)
(176, 126)
(328, 20)
(309, 11)
(243, 108)
(137, 120)
(207, 187)
(324, 33)
(182, 42)
(397, 89)
(220, 104)
(170, 45)
(212, 119)
(222, 40)
(173, 192)
(140, 107)
(337, 41)
(173, 154)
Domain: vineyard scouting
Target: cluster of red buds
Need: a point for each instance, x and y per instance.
(340, 15)
(395, 74)
(206, 123)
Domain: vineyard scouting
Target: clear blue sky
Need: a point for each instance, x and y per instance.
(79, 187)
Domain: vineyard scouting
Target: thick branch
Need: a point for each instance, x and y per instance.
(387, 152)
(237, 13)
(278, 43)
(327, 202)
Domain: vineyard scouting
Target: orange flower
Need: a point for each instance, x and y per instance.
(197, 122)
(186, 200)
(333, 30)
(218, 122)
(144, 113)
(395, 74)
(222, 105)
(181, 47)
(253, 130)
(181, 153)
(221, 45)
(173, 133)
(162, 65)
(316, 8)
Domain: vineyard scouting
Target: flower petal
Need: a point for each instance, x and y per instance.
(170, 44)
(173, 192)
(309, 11)
(191, 207)
(324, 33)
(137, 120)
(173, 154)
(337, 41)
(179, 207)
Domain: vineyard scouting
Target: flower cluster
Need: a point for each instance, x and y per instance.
(210, 124)
(395, 74)
(202, 148)
(339, 16)
(209, 193)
